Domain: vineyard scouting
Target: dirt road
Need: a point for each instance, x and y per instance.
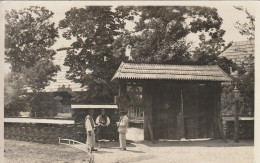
(210, 151)
(214, 151)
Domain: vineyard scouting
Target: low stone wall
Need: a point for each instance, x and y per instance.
(41, 131)
(246, 129)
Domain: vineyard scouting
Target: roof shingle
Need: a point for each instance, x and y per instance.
(173, 72)
(239, 50)
(61, 80)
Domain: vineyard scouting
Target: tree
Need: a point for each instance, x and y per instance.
(37, 78)
(245, 77)
(14, 94)
(24, 90)
(160, 36)
(91, 60)
(246, 81)
(208, 54)
(247, 28)
(163, 31)
(29, 36)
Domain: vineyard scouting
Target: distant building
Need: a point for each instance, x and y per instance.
(62, 83)
(240, 51)
(62, 86)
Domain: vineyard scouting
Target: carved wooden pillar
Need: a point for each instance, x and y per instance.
(147, 104)
(122, 94)
(217, 112)
(236, 118)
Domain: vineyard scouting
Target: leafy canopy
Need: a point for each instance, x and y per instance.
(29, 36)
(91, 60)
(163, 32)
(160, 36)
(245, 79)
(247, 28)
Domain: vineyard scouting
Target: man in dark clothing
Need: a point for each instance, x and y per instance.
(115, 118)
(102, 121)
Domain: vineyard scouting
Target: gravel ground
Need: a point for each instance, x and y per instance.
(207, 151)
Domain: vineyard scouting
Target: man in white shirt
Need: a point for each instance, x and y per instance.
(90, 126)
(122, 129)
(102, 121)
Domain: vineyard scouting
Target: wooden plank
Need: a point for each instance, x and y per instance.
(122, 88)
(218, 132)
(146, 105)
(180, 126)
(148, 109)
(74, 106)
(196, 134)
(122, 95)
(191, 123)
(150, 131)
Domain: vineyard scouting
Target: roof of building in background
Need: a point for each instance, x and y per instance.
(61, 83)
(94, 107)
(239, 50)
(173, 72)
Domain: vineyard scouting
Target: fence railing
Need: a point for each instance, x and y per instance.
(43, 121)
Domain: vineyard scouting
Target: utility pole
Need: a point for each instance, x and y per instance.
(236, 120)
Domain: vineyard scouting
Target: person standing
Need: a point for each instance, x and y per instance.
(122, 129)
(102, 121)
(114, 119)
(90, 126)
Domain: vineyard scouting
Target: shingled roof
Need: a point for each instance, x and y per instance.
(173, 72)
(238, 51)
(62, 83)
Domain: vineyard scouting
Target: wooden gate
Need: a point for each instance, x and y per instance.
(190, 112)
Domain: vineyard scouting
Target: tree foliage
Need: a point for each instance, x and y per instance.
(164, 32)
(91, 60)
(14, 94)
(160, 36)
(29, 36)
(246, 85)
(39, 76)
(245, 78)
(246, 81)
(247, 28)
(44, 104)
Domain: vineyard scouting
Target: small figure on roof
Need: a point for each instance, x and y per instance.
(102, 121)
(122, 128)
(90, 126)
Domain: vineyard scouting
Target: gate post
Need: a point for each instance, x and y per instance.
(122, 94)
(236, 119)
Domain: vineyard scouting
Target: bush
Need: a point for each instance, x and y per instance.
(13, 108)
(45, 104)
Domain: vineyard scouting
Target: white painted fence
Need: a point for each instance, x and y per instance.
(44, 121)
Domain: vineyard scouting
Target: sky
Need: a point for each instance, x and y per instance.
(226, 10)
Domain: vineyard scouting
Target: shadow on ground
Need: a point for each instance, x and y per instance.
(204, 143)
(115, 144)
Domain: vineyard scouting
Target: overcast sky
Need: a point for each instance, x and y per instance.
(226, 10)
